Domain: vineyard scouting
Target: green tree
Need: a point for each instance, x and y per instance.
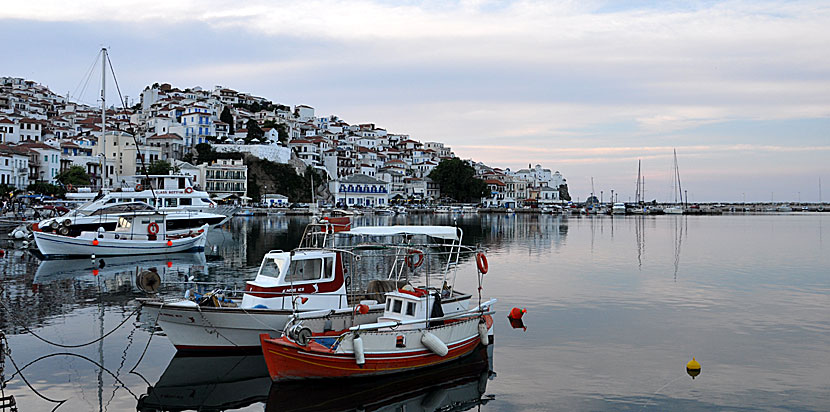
(563, 192)
(43, 188)
(254, 132)
(457, 180)
(282, 129)
(75, 176)
(159, 167)
(227, 117)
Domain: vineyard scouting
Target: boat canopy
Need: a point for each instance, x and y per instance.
(441, 232)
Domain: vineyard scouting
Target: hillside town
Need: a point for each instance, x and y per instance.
(43, 134)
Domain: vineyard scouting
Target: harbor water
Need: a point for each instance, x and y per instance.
(616, 307)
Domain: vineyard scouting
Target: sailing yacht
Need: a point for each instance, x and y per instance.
(677, 208)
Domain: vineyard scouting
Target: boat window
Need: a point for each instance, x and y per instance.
(206, 201)
(185, 201)
(308, 269)
(272, 267)
(397, 306)
(124, 223)
(170, 202)
(410, 308)
(327, 272)
(388, 304)
(113, 200)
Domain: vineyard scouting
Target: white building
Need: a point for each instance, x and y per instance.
(44, 162)
(275, 200)
(359, 190)
(225, 177)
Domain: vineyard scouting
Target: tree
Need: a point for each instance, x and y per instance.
(75, 176)
(227, 117)
(563, 192)
(159, 167)
(254, 132)
(456, 178)
(43, 188)
(282, 129)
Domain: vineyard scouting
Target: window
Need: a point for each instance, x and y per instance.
(388, 304)
(186, 201)
(410, 308)
(397, 305)
(302, 270)
(272, 268)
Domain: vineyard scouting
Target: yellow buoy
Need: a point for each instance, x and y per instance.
(693, 368)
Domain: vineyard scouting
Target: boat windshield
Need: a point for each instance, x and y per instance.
(122, 208)
(272, 267)
(307, 269)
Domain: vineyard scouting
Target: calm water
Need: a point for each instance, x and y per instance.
(616, 307)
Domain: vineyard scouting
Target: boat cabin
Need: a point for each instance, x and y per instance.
(151, 226)
(409, 304)
(305, 279)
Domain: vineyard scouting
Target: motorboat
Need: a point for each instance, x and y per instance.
(311, 278)
(618, 208)
(87, 218)
(674, 210)
(411, 334)
(140, 234)
(168, 193)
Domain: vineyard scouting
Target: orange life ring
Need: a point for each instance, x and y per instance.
(481, 261)
(139, 187)
(413, 253)
(153, 228)
(188, 190)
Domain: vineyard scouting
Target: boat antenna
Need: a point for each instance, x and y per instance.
(131, 132)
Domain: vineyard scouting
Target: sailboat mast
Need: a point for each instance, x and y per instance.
(104, 115)
(637, 192)
(677, 173)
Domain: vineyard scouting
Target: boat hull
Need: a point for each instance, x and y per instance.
(57, 246)
(287, 360)
(193, 328)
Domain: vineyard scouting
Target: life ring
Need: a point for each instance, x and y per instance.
(139, 187)
(153, 228)
(410, 258)
(212, 205)
(188, 190)
(69, 187)
(481, 261)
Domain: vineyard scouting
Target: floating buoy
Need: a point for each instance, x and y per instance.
(434, 344)
(169, 264)
(95, 242)
(2, 253)
(94, 272)
(516, 313)
(359, 356)
(169, 243)
(18, 234)
(693, 368)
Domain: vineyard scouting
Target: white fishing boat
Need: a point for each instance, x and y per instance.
(141, 234)
(305, 279)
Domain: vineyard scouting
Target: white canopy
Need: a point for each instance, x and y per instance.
(442, 232)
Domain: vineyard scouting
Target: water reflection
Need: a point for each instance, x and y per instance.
(208, 383)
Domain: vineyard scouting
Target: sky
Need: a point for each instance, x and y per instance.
(741, 89)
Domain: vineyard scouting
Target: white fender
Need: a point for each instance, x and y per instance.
(482, 333)
(434, 344)
(359, 356)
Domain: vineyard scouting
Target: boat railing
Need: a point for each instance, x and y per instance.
(480, 310)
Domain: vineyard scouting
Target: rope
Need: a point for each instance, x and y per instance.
(61, 345)
(26, 381)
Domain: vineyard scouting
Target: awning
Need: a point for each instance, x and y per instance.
(442, 232)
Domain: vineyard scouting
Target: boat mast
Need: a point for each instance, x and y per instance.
(677, 174)
(104, 116)
(637, 193)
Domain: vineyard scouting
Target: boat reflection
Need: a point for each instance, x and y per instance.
(457, 386)
(117, 266)
(208, 383)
